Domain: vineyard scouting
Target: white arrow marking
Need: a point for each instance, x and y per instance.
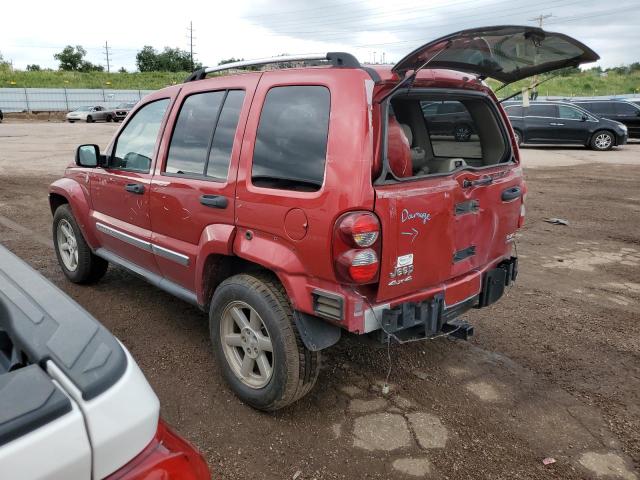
(414, 232)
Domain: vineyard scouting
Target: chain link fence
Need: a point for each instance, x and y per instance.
(63, 99)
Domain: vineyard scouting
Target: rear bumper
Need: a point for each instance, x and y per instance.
(429, 317)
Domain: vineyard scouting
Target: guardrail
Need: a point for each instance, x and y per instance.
(63, 99)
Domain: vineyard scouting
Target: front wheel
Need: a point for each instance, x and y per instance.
(78, 262)
(257, 345)
(518, 137)
(602, 140)
(89, 119)
(109, 118)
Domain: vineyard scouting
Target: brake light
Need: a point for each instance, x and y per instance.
(356, 247)
(522, 212)
(168, 457)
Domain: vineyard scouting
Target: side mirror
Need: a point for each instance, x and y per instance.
(584, 118)
(88, 156)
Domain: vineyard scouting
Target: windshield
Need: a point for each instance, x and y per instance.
(84, 109)
(126, 105)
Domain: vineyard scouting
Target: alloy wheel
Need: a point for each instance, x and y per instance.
(246, 344)
(67, 245)
(603, 141)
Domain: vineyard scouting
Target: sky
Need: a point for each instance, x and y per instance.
(373, 30)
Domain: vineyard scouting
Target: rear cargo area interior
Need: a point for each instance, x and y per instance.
(432, 134)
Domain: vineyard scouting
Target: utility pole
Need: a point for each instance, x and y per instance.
(106, 53)
(540, 19)
(190, 29)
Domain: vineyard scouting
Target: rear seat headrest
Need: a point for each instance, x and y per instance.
(407, 133)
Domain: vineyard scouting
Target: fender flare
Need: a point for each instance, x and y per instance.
(78, 200)
(215, 239)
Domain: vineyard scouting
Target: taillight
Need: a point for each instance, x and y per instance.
(522, 212)
(356, 247)
(167, 457)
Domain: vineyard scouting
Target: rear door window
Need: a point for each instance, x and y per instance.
(626, 109)
(203, 136)
(514, 111)
(291, 142)
(550, 111)
(570, 113)
(602, 108)
(450, 126)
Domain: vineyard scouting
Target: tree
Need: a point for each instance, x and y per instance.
(4, 65)
(71, 58)
(122, 70)
(147, 59)
(230, 60)
(169, 60)
(33, 68)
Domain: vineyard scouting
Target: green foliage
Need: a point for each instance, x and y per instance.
(4, 65)
(72, 60)
(33, 68)
(169, 60)
(62, 79)
(230, 60)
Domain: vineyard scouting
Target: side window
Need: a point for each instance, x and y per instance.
(514, 111)
(135, 145)
(602, 108)
(203, 136)
(291, 142)
(222, 144)
(570, 113)
(542, 111)
(627, 109)
(429, 108)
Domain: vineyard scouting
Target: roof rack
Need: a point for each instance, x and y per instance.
(337, 59)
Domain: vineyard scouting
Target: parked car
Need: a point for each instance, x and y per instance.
(74, 403)
(448, 118)
(90, 114)
(122, 110)
(564, 123)
(621, 111)
(293, 204)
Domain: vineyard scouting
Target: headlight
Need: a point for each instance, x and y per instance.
(623, 127)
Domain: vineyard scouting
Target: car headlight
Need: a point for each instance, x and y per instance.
(623, 127)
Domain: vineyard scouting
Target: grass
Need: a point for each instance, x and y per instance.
(581, 84)
(120, 81)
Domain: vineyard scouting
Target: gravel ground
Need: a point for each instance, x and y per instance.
(553, 371)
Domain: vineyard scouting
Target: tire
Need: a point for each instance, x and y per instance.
(462, 133)
(294, 368)
(518, 136)
(109, 118)
(72, 121)
(602, 140)
(87, 268)
(89, 119)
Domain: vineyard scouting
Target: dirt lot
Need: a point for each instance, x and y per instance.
(553, 371)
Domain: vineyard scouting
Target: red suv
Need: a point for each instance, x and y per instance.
(295, 203)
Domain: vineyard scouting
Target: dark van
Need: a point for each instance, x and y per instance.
(564, 123)
(621, 111)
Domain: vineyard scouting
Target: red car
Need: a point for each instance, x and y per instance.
(293, 204)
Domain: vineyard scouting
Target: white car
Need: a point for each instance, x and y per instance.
(90, 114)
(73, 402)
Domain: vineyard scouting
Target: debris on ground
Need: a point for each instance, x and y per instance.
(557, 221)
(549, 461)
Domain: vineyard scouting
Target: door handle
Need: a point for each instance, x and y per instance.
(486, 180)
(557, 124)
(511, 194)
(214, 201)
(136, 188)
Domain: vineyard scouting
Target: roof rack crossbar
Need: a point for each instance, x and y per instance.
(337, 59)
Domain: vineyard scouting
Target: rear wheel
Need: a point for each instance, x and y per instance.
(78, 262)
(602, 140)
(518, 137)
(109, 118)
(257, 345)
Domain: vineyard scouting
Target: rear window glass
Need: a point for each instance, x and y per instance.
(291, 142)
(427, 134)
(541, 111)
(452, 131)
